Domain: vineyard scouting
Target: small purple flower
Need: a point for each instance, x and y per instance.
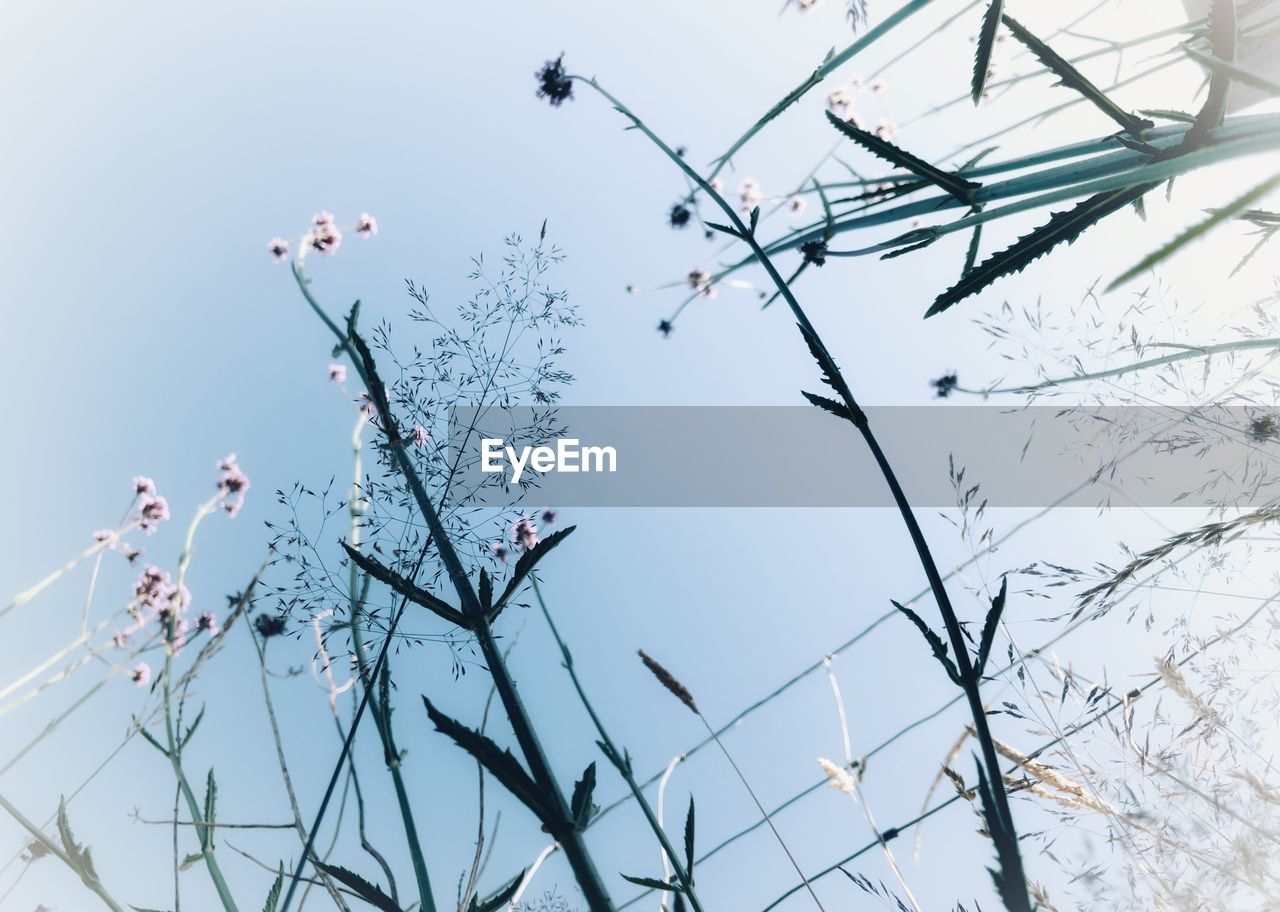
(554, 84)
(208, 622)
(524, 533)
(130, 553)
(548, 516)
(325, 239)
(278, 247)
(232, 485)
(141, 674)
(749, 194)
(152, 511)
(500, 551)
(338, 373)
(144, 486)
(420, 436)
(367, 226)
(322, 219)
(120, 639)
(108, 536)
(700, 282)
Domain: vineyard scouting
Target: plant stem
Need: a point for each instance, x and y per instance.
(594, 892)
(682, 875)
(969, 681)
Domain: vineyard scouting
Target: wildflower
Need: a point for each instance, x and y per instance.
(716, 184)
(367, 226)
(554, 84)
(208, 623)
(749, 194)
(120, 639)
(144, 486)
(885, 129)
(338, 373)
(141, 674)
(499, 550)
(278, 247)
(130, 553)
(420, 436)
(322, 219)
(842, 102)
(106, 535)
(324, 238)
(232, 485)
(524, 533)
(945, 385)
(798, 205)
(548, 516)
(700, 282)
(814, 252)
(680, 215)
(838, 777)
(665, 327)
(269, 625)
(152, 511)
(152, 588)
(668, 680)
(878, 85)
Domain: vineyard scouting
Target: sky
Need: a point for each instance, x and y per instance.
(152, 150)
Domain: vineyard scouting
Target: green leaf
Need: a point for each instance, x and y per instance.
(1074, 79)
(370, 893)
(524, 566)
(581, 807)
(500, 763)
(652, 883)
(725, 229)
(486, 590)
(688, 842)
(935, 642)
(957, 186)
(210, 812)
(830, 373)
(153, 742)
(986, 45)
(836, 408)
(191, 860)
(971, 256)
(989, 628)
(1062, 227)
(273, 895)
(192, 730)
(406, 587)
(499, 899)
(1230, 211)
(1167, 114)
(79, 857)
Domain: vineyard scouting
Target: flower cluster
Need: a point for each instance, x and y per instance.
(700, 282)
(152, 508)
(232, 485)
(324, 236)
(524, 534)
(842, 101)
(554, 83)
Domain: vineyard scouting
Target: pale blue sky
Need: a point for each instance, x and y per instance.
(151, 150)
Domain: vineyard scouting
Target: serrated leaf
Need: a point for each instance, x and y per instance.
(583, 790)
(957, 186)
(499, 899)
(725, 229)
(193, 859)
(652, 883)
(986, 45)
(370, 893)
(935, 642)
(1062, 227)
(688, 842)
(836, 408)
(210, 812)
(971, 255)
(500, 763)
(192, 730)
(407, 588)
(150, 739)
(79, 857)
(1227, 212)
(1074, 79)
(273, 895)
(989, 628)
(524, 566)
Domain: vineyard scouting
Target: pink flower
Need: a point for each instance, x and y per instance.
(152, 588)
(367, 226)
(232, 485)
(749, 194)
(152, 511)
(420, 436)
(524, 533)
(141, 674)
(322, 219)
(500, 551)
(130, 553)
(278, 247)
(208, 622)
(106, 535)
(144, 485)
(338, 373)
(325, 238)
(700, 282)
(120, 639)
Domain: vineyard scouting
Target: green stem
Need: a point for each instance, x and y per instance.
(969, 681)
(593, 889)
(624, 768)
